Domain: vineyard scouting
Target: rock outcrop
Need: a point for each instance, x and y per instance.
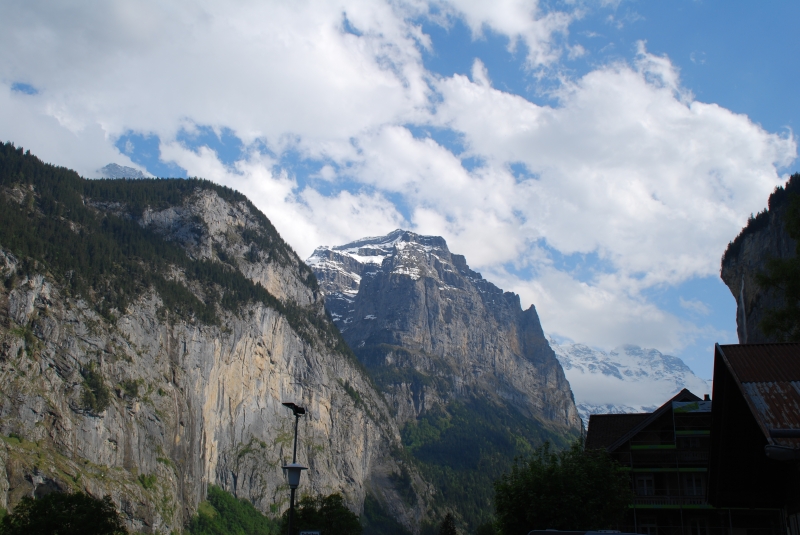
(408, 306)
(150, 405)
(763, 238)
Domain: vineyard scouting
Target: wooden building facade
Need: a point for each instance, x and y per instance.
(667, 453)
(755, 446)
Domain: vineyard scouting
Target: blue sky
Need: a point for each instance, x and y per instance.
(593, 156)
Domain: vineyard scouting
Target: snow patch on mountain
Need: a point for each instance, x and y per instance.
(627, 379)
(340, 269)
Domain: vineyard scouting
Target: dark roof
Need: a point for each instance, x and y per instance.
(605, 429)
(683, 395)
(768, 375)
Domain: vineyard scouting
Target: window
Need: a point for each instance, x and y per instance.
(645, 486)
(694, 484)
(794, 524)
(648, 527)
(698, 526)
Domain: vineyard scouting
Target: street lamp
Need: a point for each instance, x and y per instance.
(292, 471)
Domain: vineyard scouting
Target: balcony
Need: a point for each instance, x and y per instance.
(667, 497)
(654, 457)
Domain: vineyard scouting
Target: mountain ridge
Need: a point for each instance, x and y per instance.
(469, 374)
(343, 270)
(624, 380)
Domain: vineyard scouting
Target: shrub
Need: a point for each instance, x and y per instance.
(96, 396)
(148, 482)
(223, 514)
(130, 388)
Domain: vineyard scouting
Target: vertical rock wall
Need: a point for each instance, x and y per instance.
(190, 404)
(763, 238)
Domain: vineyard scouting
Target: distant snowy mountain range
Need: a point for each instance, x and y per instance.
(627, 379)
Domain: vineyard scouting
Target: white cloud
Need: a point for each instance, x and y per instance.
(628, 167)
(282, 72)
(26, 121)
(304, 217)
(605, 310)
(694, 305)
(625, 166)
(519, 20)
(480, 75)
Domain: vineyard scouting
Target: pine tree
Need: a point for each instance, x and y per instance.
(448, 526)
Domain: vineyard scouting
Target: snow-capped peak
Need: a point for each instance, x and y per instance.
(626, 379)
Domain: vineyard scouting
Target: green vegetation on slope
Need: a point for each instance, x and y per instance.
(464, 450)
(377, 521)
(223, 514)
(782, 275)
(96, 397)
(780, 197)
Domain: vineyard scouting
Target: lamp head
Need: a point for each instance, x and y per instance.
(296, 409)
(292, 473)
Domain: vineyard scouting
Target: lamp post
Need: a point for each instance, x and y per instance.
(293, 471)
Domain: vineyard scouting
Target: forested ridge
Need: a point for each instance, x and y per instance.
(778, 198)
(54, 222)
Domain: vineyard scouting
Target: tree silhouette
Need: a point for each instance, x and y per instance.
(448, 526)
(65, 514)
(328, 514)
(568, 490)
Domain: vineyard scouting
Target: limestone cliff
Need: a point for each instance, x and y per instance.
(191, 401)
(763, 238)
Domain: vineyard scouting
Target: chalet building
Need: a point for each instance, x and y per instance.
(755, 432)
(667, 452)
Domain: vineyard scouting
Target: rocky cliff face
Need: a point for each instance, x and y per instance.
(189, 403)
(414, 311)
(763, 238)
(470, 376)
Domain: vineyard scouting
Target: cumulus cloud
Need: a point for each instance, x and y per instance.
(519, 20)
(627, 166)
(286, 73)
(303, 216)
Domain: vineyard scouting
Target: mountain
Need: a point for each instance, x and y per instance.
(468, 373)
(149, 332)
(114, 170)
(764, 237)
(627, 379)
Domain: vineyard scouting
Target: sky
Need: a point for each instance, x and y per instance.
(593, 156)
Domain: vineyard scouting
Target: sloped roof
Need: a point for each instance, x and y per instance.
(605, 429)
(768, 375)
